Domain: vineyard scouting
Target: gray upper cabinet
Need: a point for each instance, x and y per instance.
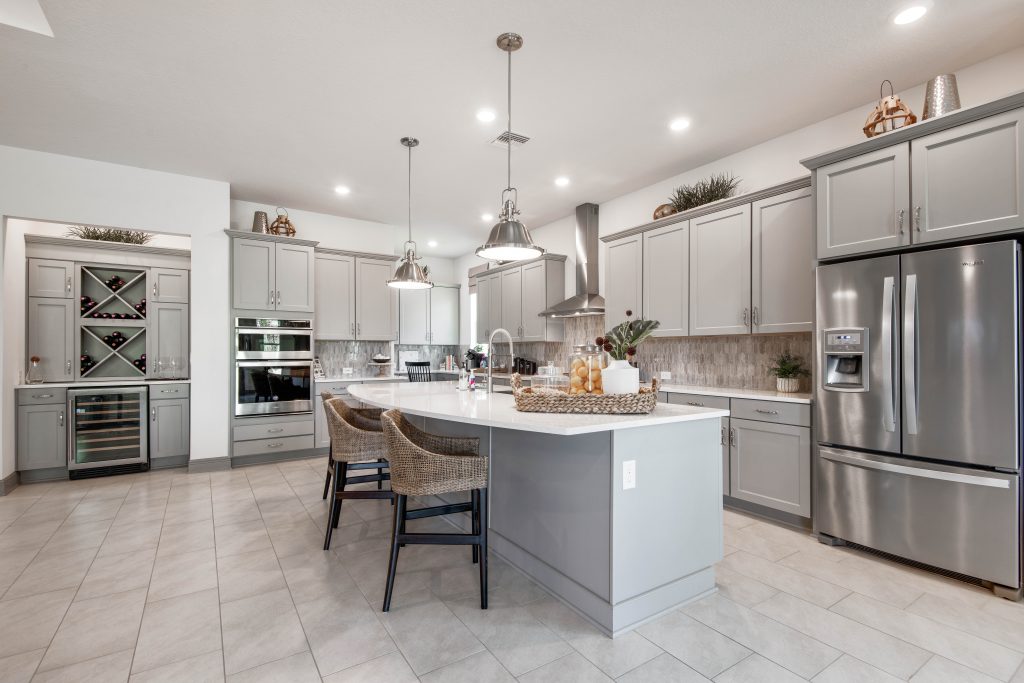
(167, 341)
(51, 278)
(770, 464)
(429, 316)
(168, 428)
(494, 301)
(374, 300)
(254, 274)
(483, 314)
(720, 272)
(864, 203)
(623, 279)
(51, 337)
(535, 299)
(782, 263)
(414, 324)
(969, 180)
(335, 297)
(168, 285)
(444, 316)
(512, 303)
(666, 279)
(294, 279)
(42, 436)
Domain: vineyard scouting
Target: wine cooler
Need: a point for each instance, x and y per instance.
(108, 429)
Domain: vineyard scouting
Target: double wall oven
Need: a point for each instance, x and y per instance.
(273, 366)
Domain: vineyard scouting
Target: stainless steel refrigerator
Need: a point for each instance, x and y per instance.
(918, 407)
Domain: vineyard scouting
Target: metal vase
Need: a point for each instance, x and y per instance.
(941, 96)
(260, 222)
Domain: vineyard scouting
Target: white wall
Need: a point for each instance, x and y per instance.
(52, 187)
(333, 232)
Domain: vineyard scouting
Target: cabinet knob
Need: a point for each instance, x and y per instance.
(695, 403)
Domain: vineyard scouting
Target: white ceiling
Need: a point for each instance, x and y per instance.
(285, 100)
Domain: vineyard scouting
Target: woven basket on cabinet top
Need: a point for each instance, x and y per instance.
(529, 400)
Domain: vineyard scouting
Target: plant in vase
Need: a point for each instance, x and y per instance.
(788, 369)
(621, 344)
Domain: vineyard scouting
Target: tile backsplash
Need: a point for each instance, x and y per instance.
(336, 355)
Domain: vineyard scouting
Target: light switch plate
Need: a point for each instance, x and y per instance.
(665, 375)
(628, 475)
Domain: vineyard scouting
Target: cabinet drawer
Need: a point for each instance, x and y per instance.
(42, 395)
(699, 400)
(162, 391)
(265, 446)
(336, 388)
(772, 411)
(273, 430)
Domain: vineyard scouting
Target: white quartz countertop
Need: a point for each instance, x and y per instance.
(731, 392)
(443, 401)
(107, 383)
(352, 378)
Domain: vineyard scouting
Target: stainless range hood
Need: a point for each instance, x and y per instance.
(587, 301)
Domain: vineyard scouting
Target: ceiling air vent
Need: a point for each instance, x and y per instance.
(518, 139)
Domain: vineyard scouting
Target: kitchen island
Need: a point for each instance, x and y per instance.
(620, 516)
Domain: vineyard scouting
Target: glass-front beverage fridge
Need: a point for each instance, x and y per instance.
(108, 428)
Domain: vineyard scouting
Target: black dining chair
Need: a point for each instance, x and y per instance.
(419, 371)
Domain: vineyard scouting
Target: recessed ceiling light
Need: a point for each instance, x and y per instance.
(561, 181)
(485, 115)
(342, 190)
(909, 15)
(432, 243)
(487, 217)
(679, 124)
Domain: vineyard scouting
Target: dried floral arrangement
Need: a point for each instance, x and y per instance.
(622, 340)
(88, 232)
(711, 189)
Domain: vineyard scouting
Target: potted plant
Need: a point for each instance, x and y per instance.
(788, 369)
(621, 343)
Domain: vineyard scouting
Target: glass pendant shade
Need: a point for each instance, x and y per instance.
(409, 274)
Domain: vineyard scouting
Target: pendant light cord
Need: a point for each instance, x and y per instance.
(410, 194)
(508, 125)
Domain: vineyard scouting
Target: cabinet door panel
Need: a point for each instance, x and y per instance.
(494, 312)
(294, 278)
(335, 297)
(782, 263)
(666, 279)
(373, 300)
(253, 277)
(167, 341)
(512, 302)
(414, 315)
(168, 428)
(483, 314)
(168, 285)
(770, 464)
(720, 272)
(623, 279)
(51, 337)
(969, 180)
(444, 316)
(864, 203)
(51, 278)
(42, 436)
(534, 301)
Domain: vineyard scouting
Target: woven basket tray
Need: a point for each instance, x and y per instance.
(529, 401)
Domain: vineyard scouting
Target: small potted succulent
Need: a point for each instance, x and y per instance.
(788, 369)
(621, 343)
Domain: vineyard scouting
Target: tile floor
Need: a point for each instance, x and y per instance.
(169, 576)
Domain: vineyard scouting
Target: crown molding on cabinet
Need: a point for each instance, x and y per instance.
(357, 254)
(264, 237)
(518, 264)
(98, 245)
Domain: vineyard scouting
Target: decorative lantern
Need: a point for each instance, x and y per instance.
(890, 114)
(281, 224)
(664, 210)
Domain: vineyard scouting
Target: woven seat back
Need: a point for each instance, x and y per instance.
(350, 442)
(425, 464)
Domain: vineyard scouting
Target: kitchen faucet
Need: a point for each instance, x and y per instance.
(490, 350)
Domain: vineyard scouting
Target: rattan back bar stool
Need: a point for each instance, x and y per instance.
(357, 443)
(364, 418)
(424, 464)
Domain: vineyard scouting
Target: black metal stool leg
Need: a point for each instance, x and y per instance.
(482, 503)
(380, 473)
(334, 511)
(330, 470)
(341, 478)
(475, 514)
(399, 521)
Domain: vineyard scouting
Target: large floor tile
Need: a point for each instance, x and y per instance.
(343, 631)
(117, 573)
(52, 572)
(205, 668)
(391, 668)
(664, 667)
(26, 533)
(315, 574)
(860, 576)
(96, 508)
(701, 648)
(250, 573)
(20, 668)
(959, 646)
(129, 537)
(96, 627)
(242, 537)
(427, 632)
(295, 538)
(298, 668)
(749, 539)
(112, 668)
(180, 574)
(29, 623)
(572, 667)
(757, 668)
(185, 537)
(479, 667)
(974, 620)
(178, 628)
(785, 579)
(73, 536)
(848, 669)
(260, 629)
(12, 563)
(189, 511)
(235, 511)
(740, 588)
(941, 670)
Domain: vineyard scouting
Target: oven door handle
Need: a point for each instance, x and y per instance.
(274, 363)
(297, 331)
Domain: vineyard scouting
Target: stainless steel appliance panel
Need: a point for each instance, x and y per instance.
(960, 519)
(107, 427)
(960, 355)
(273, 387)
(861, 295)
(273, 343)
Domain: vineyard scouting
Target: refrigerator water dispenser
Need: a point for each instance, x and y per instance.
(846, 359)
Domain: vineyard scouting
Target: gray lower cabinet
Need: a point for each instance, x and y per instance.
(666, 279)
(51, 278)
(167, 285)
(720, 272)
(168, 429)
(969, 180)
(720, 402)
(167, 341)
(770, 464)
(42, 436)
(51, 337)
(623, 283)
(782, 263)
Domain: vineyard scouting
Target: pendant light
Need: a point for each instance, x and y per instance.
(509, 239)
(409, 274)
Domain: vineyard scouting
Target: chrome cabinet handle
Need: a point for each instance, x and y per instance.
(278, 430)
(42, 395)
(732, 436)
(279, 297)
(271, 297)
(352, 328)
(746, 317)
(276, 444)
(155, 295)
(917, 218)
(695, 403)
(899, 220)
(359, 328)
(722, 441)
(67, 283)
(60, 419)
(67, 367)
(168, 391)
(755, 316)
(153, 412)
(766, 412)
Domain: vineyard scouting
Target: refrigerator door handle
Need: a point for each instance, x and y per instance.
(860, 461)
(889, 405)
(910, 353)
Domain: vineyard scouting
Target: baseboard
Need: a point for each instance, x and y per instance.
(209, 465)
(266, 458)
(45, 474)
(787, 518)
(9, 483)
(167, 463)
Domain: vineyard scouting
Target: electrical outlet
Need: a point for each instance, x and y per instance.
(346, 371)
(628, 475)
(665, 375)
